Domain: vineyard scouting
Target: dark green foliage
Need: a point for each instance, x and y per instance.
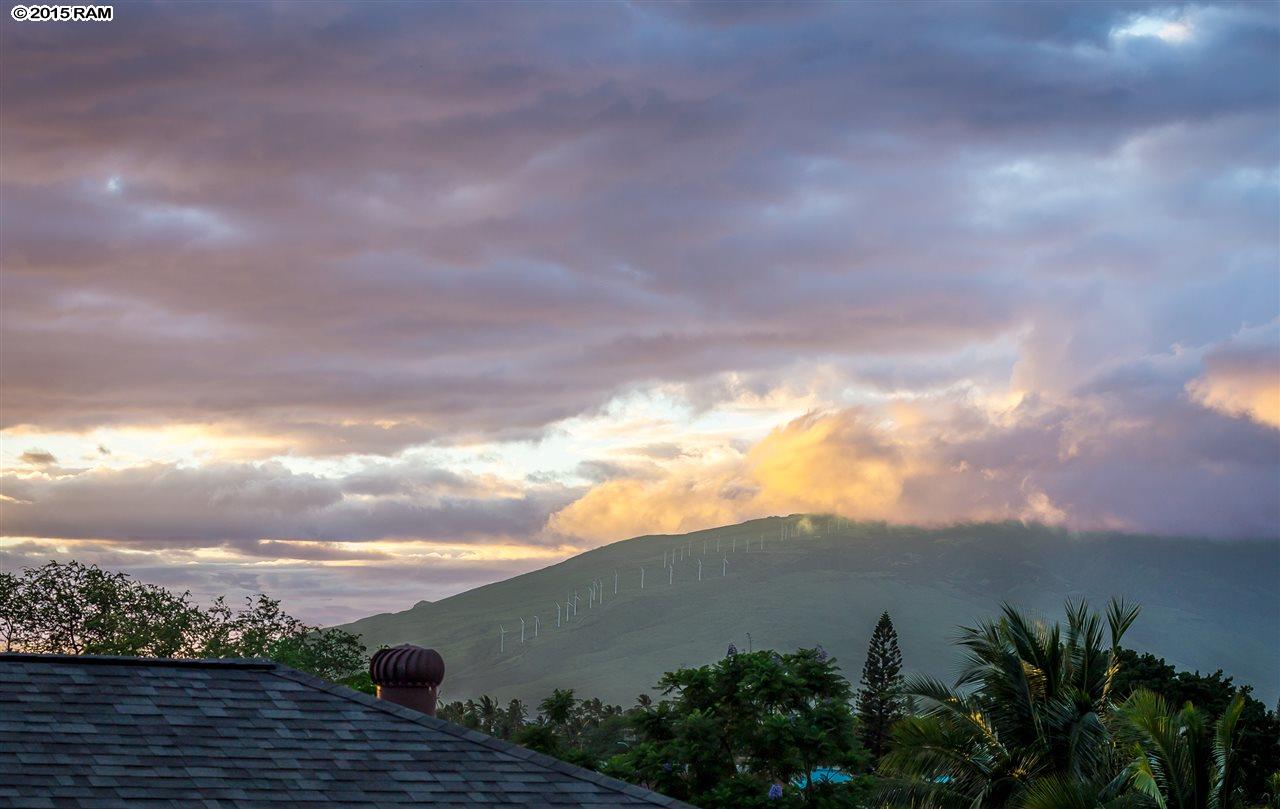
(731, 730)
(1047, 717)
(583, 732)
(1257, 734)
(557, 709)
(880, 699)
(1183, 759)
(77, 609)
(81, 609)
(487, 715)
(360, 681)
(1028, 709)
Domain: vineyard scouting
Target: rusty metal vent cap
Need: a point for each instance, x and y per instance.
(407, 665)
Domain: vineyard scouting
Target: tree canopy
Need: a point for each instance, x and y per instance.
(1257, 745)
(72, 608)
(1041, 716)
(880, 698)
(752, 724)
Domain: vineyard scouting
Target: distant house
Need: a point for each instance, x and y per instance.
(83, 731)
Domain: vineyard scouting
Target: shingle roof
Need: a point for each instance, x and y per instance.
(126, 732)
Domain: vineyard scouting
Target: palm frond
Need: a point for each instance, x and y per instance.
(1058, 792)
(1120, 616)
(1224, 787)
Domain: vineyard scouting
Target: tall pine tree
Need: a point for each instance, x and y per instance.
(880, 699)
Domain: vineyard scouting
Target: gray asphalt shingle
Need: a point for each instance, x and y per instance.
(102, 732)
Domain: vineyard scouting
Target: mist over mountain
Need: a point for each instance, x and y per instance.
(787, 582)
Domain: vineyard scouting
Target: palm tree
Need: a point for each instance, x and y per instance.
(1180, 761)
(470, 716)
(1184, 760)
(558, 709)
(1027, 710)
(513, 719)
(488, 710)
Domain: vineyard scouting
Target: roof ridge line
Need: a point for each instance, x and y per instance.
(253, 663)
(496, 744)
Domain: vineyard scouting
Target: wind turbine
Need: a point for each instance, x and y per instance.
(724, 571)
(671, 575)
(699, 570)
(536, 623)
(522, 630)
(641, 578)
(557, 615)
(502, 638)
(615, 581)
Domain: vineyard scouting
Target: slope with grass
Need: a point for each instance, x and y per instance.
(1205, 604)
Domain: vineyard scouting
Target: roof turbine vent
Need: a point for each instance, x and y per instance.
(408, 675)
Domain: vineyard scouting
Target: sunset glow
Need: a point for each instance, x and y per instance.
(366, 305)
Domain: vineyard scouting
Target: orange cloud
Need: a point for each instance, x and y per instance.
(829, 463)
(629, 507)
(834, 462)
(1241, 384)
(944, 459)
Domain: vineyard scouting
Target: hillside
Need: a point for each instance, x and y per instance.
(1205, 604)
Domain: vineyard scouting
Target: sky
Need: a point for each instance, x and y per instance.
(361, 305)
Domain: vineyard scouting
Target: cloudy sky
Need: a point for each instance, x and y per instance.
(362, 305)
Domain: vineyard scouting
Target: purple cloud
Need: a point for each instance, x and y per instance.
(363, 231)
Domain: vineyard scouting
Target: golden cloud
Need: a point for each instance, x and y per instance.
(829, 463)
(1242, 385)
(629, 507)
(821, 462)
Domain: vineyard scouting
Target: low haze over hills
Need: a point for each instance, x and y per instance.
(800, 581)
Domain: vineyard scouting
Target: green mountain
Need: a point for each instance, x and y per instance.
(785, 582)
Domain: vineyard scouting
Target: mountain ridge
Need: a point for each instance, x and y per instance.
(1207, 604)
